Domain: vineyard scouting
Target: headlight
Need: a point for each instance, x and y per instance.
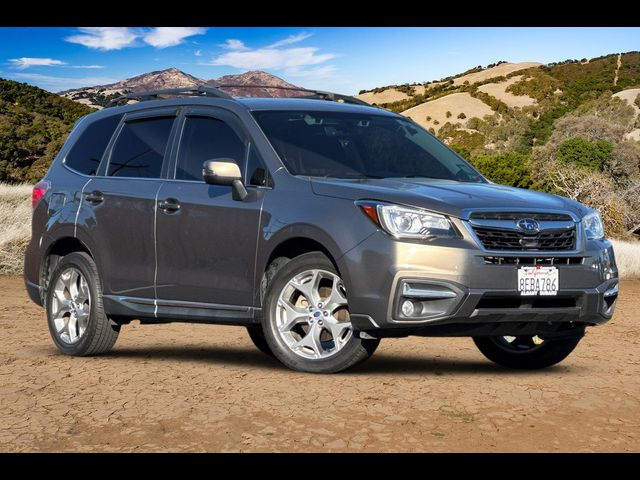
(405, 222)
(592, 224)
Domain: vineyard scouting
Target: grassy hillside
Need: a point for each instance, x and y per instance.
(569, 128)
(33, 126)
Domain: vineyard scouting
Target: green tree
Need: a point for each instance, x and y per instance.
(462, 151)
(509, 168)
(581, 152)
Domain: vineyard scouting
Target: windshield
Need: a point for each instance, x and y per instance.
(356, 145)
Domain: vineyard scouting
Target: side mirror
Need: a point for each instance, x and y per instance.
(224, 171)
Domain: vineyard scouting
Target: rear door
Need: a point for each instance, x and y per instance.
(123, 198)
(207, 240)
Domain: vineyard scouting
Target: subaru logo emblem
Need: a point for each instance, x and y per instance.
(528, 225)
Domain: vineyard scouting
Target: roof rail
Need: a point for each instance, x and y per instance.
(215, 91)
(201, 90)
(324, 95)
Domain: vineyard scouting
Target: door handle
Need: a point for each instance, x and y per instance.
(94, 197)
(170, 205)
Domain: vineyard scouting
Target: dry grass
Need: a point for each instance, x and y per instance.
(628, 258)
(386, 96)
(455, 103)
(15, 231)
(498, 71)
(15, 226)
(499, 91)
(630, 95)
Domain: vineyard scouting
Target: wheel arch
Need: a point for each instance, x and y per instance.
(57, 249)
(296, 242)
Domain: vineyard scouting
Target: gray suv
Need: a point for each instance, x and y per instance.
(319, 224)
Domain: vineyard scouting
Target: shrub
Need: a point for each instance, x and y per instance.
(448, 114)
(462, 116)
(589, 127)
(436, 122)
(462, 151)
(581, 152)
(428, 118)
(637, 102)
(624, 162)
(509, 168)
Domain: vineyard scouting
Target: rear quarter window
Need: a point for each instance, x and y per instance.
(86, 153)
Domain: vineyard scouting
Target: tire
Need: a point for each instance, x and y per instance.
(257, 337)
(549, 352)
(99, 333)
(325, 356)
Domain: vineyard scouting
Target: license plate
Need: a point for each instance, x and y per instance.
(538, 280)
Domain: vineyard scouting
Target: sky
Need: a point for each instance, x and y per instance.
(341, 59)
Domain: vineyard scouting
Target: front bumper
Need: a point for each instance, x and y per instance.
(466, 294)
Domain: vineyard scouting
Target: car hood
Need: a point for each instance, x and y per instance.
(457, 199)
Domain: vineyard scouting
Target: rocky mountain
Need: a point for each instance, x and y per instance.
(100, 95)
(256, 77)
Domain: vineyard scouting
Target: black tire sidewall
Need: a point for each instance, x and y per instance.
(551, 352)
(257, 337)
(355, 351)
(81, 262)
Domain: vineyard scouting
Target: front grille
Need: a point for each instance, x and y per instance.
(549, 240)
(539, 216)
(533, 260)
(513, 301)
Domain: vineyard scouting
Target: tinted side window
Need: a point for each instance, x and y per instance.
(139, 149)
(86, 153)
(206, 138)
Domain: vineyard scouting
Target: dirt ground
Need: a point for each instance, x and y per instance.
(206, 388)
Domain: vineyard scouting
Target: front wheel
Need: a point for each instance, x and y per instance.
(257, 337)
(306, 321)
(526, 352)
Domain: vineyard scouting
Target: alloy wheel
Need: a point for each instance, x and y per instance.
(312, 316)
(71, 305)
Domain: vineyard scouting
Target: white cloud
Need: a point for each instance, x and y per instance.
(324, 71)
(273, 58)
(198, 53)
(290, 39)
(162, 37)
(56, 84)
(105, 38)
(233, 44)
(294, 61)
(26, 62)
(87, 66)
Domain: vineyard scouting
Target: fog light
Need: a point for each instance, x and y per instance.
(408, 308)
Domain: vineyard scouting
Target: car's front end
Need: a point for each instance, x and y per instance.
(444, 251)
(483, 275)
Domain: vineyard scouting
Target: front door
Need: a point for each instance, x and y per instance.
(206, 240)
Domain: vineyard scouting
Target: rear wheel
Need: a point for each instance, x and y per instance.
(76, 317)
(306, 321)
(526, 352)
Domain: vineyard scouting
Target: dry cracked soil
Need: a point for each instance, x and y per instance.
(183, 387)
